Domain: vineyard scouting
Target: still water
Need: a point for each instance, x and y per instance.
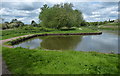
(107, 42)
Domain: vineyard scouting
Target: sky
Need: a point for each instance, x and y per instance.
(26, 11)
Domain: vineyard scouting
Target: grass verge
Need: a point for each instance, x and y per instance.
(19, 32)
(26, 61)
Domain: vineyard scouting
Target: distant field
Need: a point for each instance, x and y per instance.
(109, 26)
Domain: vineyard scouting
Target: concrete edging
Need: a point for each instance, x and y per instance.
(36, 35)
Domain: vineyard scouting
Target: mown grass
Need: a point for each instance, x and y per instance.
(26, 61)
(19, 32)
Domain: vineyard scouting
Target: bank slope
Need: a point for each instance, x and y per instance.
(26, 61)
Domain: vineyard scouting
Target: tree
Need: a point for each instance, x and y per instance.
(33, 23)
(5, 25)
(68, 7)
(83, 23)
(60, 15)
(15, 23)
(20, 23)
(14, 20)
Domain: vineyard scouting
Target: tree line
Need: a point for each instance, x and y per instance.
(56, 17)
(16, 24)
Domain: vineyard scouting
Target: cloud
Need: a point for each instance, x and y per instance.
(13, 12)
(114, 12)
(21, 11)
(21, 19)
(95, 16)
(56, 1)
(95, 13)
(98, 11)
(22, 5)
(27, 11)
(4, 12)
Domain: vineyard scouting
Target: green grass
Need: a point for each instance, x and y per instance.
(0, 25)
(0, 38)
(40, 61)
(109, 26)
(0, 49)
(19, 32)
(26, 61)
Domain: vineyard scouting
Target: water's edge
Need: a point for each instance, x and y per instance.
(36, 35)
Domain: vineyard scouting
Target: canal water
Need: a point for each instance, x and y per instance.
(107, 42)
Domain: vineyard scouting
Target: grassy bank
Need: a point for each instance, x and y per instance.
(19, 32)
(109, 26)
(26, 61)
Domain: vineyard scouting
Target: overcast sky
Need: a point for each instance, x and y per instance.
(28, 11)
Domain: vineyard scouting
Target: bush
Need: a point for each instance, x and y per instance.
(5, 26)
(67, 29)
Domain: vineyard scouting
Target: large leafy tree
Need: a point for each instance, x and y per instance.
(60, 15)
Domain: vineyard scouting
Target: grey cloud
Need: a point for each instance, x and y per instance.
(21, 6)
(28, 11)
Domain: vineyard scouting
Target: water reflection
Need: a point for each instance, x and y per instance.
(61, 42)
(31, 44)
(106, 43)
